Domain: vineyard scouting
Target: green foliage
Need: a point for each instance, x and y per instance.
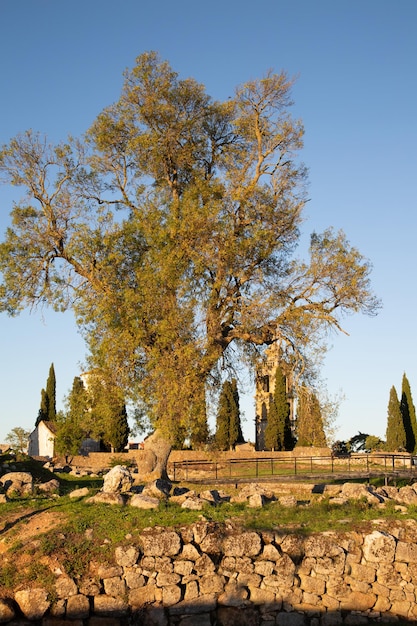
(278, 434)
(408, 413)
(51, 393)
(43, 409)
(74, 423)
(107, 411)
(47, 410)
(18, 439)
(117, 433)
(228, 427)
(310, 430)
(395, 435)
(374, 444)
(169, 230)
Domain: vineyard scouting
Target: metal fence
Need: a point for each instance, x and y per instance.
(274, 467)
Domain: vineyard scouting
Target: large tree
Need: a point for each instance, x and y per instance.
(395, 435)
(170, 230)
(408, 413)
(310, 427)
(228, 425)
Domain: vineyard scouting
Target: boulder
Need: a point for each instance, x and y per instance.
(117, 480)
(357, 491)
(52, 486)
(32, 602)
(17, 482)
(79, 493)
(141, 501)
(194, 503)
(107, 498)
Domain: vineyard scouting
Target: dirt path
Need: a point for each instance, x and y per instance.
(26, 524)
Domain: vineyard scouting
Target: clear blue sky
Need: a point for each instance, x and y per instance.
(356, 63)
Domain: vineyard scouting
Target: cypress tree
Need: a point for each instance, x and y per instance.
(51, 394)
(73, 425)
(43, 409)
(235, 427)
(278, 434)
(117, 433)
(47, 410)
(395, 435)
(408, 413)
(228, 427)
(310, 430)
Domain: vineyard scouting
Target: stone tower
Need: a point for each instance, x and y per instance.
(265, 385)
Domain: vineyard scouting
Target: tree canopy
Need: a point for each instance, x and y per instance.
(170, 229)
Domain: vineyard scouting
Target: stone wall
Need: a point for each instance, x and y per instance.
(103, 460)
(218, 574)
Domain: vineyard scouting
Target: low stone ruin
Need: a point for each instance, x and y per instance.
(207, 574)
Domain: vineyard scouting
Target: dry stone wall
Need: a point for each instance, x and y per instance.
(209, 573)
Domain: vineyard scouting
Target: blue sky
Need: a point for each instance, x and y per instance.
(356, 92)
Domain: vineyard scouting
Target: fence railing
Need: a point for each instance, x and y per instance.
(262, 467)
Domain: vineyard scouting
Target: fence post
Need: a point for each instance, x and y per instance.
(256, 468)
(295, 466)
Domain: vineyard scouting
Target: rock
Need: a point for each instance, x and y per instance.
(65, 587)
(108, 498)
(117, 480)
(78, 607)
(379, 547)
(126, 556)
(165, 543)
(357, 491)
(79, 493)
(257, 501)
(406, 552)
(7, 612)
(141, 501)
(194, 504)
(108, 606)
(214, 496)
(288, 501)
(159, 488)
(244, 544)
(32, 602)
(407, 495)
(52, 486)
(17, 482)
(249, 491)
